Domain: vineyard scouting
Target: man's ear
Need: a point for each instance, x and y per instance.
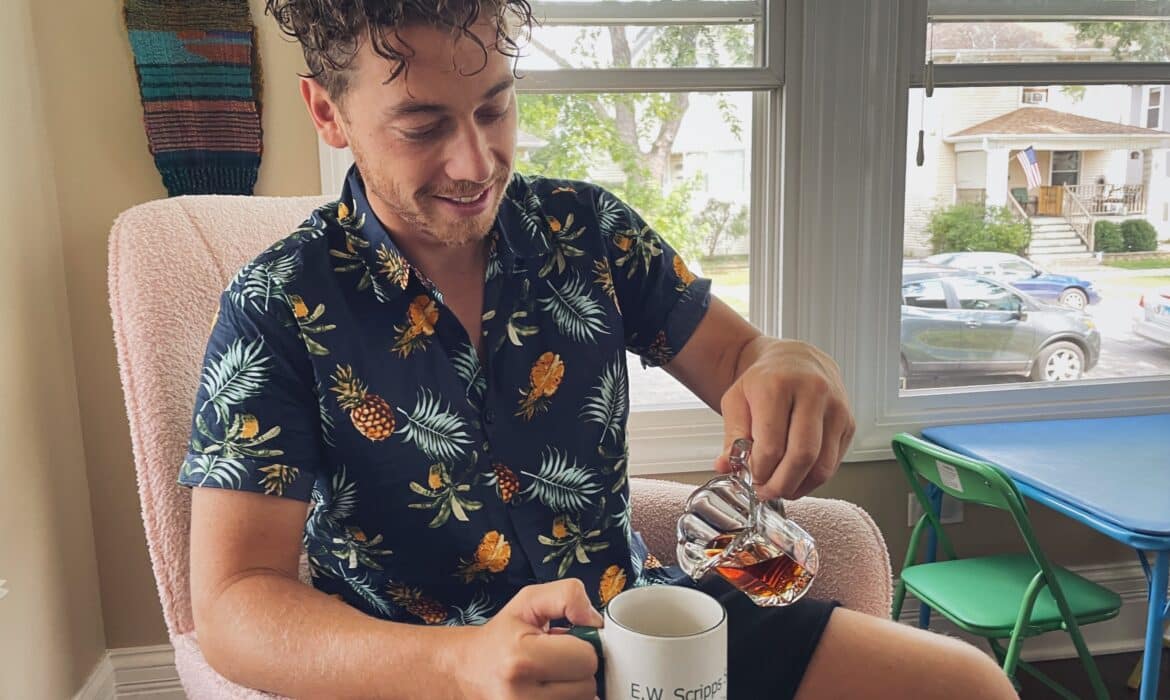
(325, 113)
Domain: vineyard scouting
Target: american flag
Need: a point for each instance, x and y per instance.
(1027, 158)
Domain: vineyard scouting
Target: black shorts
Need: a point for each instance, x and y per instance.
(768, 649)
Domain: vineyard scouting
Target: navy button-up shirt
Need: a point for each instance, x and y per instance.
(442, 483)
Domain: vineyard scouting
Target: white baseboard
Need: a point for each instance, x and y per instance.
(148, 673)
(100, 684)
(1124, 633)
(140, 673)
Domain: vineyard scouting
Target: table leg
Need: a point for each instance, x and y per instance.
(1154, 618)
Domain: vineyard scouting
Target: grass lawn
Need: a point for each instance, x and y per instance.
(729, 279)
(1139, 264)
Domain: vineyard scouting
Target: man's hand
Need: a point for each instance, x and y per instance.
(515, 655)
(791, 402)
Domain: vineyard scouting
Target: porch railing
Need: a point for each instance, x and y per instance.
(1078, 216)
(1104, 200)
(1017, 209)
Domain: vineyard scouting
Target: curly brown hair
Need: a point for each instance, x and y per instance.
(330, 31)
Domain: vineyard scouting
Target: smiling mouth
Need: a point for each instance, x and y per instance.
(470, 199)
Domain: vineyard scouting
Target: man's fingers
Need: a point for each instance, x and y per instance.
(803, 447)
(822, 470)
(770, 432)
(737, 423)
(565, 599)
(561, 657)
(568, 690)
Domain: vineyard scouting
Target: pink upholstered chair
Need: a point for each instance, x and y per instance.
(169, 260)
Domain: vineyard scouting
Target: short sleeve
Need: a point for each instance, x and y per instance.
(661, 300)
(256, 425)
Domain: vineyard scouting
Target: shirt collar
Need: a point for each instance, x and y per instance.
(519, 233)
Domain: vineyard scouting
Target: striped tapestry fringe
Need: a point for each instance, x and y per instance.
(199, 79)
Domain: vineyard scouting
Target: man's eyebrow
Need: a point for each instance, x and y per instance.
(411, 107)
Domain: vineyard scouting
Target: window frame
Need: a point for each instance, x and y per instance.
(826, 257)
(1159, 109)
(882, 410)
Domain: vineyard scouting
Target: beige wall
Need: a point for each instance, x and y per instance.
(65, 190)
(103, 167)
(50, 624)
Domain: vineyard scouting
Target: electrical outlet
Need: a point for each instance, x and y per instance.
(952, 510)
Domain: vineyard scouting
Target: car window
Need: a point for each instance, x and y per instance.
(927, 294)
(1015, 269)
(983, 295)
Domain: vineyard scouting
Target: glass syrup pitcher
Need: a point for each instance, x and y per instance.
(724, 528)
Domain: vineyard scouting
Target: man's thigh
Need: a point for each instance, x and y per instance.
(860, 656)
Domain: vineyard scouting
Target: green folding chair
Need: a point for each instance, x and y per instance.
(1006, 596)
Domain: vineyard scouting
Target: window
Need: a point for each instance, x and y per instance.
(976, 294)
(825, 263)
(1016, 270)
(1035, 96)
(1066, 167)
(1154, 108)
(925, 295)
(675, 107)
(990, 60)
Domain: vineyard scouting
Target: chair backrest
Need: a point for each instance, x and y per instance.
(169, 261)
(964, 479)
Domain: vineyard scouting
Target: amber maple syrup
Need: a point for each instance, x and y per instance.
(768, 576)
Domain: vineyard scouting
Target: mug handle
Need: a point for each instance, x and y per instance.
(591, 635)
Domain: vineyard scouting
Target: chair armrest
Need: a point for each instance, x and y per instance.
(855, 564)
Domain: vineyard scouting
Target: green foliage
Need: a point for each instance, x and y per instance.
(1139, 236)
(719, 221)
(970, 226)
(1107, 237)
(623, 141)
(1129, 41)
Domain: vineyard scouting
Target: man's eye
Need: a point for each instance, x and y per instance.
(424, 134)
(492, 116)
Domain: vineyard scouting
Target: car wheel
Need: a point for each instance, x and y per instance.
(1074, 298)
(1059, 362)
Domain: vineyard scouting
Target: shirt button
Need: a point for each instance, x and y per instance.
(489, 416)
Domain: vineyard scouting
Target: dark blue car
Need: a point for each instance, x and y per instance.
(1025, 276)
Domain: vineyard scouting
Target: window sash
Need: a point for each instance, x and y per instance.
(872, 369)
(606, 13)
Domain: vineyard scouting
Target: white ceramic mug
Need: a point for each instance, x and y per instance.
(662, 643)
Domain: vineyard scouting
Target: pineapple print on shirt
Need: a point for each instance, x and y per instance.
(446, 472)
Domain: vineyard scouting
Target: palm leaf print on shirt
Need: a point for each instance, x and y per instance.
(561, 485)
(439, 432)
(576, 314)
(607, 404)
(260, 282)
(235, 376)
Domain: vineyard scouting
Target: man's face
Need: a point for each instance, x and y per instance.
(435, 145)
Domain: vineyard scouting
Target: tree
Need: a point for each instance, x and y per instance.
(720, 220)
(1129, 41)
(633, 133)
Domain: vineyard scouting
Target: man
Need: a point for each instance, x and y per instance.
(437, 362)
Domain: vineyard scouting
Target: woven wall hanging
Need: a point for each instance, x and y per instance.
(199, 79)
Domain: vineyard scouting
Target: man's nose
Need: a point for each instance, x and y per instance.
(470, 157)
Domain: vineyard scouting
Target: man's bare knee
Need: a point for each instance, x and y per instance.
(970, 667)
(863, 656)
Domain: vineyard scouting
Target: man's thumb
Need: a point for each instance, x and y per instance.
(567, 599)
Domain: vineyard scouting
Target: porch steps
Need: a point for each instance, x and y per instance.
(1054, 239)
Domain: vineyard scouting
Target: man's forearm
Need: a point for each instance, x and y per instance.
(270, 632)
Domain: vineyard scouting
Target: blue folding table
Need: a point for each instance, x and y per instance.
(1112, 474)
